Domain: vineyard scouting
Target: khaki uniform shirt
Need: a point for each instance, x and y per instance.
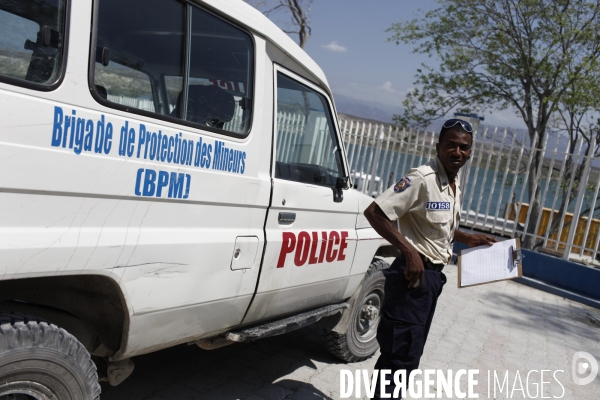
(427, 210)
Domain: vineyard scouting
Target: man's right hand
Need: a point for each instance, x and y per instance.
(414, 271)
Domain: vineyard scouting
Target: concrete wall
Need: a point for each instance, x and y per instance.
(564, 274)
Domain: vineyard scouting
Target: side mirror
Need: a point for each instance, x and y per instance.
(340, 184)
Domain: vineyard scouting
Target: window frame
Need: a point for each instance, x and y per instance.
(331, 109)
(48, 87)
(187, 45)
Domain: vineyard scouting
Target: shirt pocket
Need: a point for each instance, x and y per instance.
(440, 223)
(439, 217)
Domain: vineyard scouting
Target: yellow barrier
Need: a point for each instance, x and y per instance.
(547, 213)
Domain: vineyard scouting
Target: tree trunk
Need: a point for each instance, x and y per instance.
(535, 204)
(535, 201)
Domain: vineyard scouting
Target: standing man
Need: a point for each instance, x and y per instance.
(426, 204)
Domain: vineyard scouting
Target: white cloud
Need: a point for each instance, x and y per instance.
(387, 86)
(334, 46)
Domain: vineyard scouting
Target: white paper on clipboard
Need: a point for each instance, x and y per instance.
(485, 264)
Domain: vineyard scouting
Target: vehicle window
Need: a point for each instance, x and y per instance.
(173, 85)
(31, 40)
(138, 41)
(124, 85)
(147, 60)
(307, 148)
(219, 79)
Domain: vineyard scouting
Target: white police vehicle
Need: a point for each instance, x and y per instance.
(171, 172)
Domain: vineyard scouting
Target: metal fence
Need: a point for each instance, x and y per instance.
(304, 139)
(494, 182)
(134, 102)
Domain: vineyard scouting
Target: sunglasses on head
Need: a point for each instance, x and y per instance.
(465, 125)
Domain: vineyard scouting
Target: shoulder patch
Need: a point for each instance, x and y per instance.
(402, 184)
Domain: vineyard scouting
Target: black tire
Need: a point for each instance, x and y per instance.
(39, 360)
(359, 342)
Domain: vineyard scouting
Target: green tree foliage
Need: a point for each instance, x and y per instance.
(531, 56)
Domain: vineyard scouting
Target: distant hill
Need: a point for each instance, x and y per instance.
(372, 111)
(361, 119)
(368, 110)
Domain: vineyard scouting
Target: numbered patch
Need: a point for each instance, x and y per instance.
(402, 184)
(437, 205)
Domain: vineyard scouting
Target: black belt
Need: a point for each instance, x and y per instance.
(427, 263)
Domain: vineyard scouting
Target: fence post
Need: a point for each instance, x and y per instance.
(360, 161)
(376, 162)
(580, 194)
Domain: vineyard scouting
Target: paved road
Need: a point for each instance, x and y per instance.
(500, 327)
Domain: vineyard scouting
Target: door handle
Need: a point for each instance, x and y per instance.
(286, 218)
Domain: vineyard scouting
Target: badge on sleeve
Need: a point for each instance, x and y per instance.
(402, 184)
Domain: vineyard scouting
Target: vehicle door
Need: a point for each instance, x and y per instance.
(310, 227)
(179, 200)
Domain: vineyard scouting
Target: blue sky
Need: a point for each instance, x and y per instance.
(349, 41)
(365, 66)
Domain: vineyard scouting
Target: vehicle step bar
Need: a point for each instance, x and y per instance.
(285, 325)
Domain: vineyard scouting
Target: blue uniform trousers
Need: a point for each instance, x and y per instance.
(406, 317)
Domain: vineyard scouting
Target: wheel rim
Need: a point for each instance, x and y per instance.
(367, 318)
(25, 390)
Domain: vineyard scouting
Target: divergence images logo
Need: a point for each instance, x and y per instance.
(584, 364)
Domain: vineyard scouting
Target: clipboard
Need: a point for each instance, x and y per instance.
(487, 264)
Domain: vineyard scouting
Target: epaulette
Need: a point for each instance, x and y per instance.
(426, 169)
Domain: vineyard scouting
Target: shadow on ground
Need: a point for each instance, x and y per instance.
(565, 318)
(272, 368)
